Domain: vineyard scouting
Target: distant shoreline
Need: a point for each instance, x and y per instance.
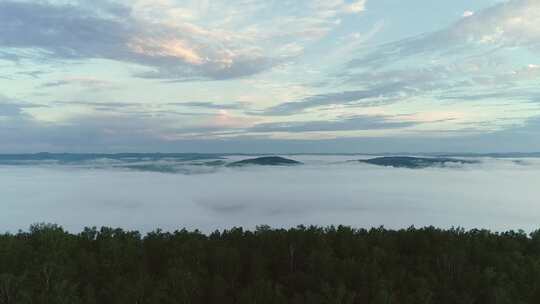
(165, 154)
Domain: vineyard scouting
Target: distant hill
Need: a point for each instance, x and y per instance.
(415, 162)
(70, 158)
(265, 161)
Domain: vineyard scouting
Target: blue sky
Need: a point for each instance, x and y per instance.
(269, 76)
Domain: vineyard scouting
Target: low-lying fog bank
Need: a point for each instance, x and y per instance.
(493, 194)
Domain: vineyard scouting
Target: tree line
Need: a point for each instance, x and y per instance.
(341, 265)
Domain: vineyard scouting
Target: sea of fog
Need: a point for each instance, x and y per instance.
(144, 193)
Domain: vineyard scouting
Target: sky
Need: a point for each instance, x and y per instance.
(279, 76)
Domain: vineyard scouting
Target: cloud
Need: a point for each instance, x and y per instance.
(144, 109)
(513, 95)
(468, 14)
(169, 39)
(140, 133)
(401, 79)
(366, 97)
(355, 123)
(76, 32)
(210, 105)
(510, 24)
(117, 105)
(88, 82)
(111, 126)
(15, 109)
(475, 54)
(356, 7)
(64, 31)
(10, 110)
(33, 74)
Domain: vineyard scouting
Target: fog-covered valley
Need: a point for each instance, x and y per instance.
(498, 194)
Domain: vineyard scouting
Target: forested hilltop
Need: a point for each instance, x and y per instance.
(301, 265)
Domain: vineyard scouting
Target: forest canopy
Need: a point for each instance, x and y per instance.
(299, 265)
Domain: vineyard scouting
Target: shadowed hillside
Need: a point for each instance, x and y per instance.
(416, 162)
(266, 161)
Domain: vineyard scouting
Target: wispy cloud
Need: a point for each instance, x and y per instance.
(98, 103)
(355, 123)
(473, 57)
(366, 97)
(510, 24)
(210, 105)
(468, 14)
(163, 36)
(468, 56)
(356, 7)
(10, 108)
(88, 82)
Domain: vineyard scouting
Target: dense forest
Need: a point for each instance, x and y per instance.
(302, 265)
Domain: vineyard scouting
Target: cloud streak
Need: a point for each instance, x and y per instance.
(210, 105)
(366, 97)
(355, 123)
(14, 109)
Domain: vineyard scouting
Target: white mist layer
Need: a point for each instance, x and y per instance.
(497, 195)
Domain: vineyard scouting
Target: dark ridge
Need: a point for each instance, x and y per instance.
(69, 158)
(159, 168)
(266, 161)
(215, 163)
(172, 168)
(415, 162)
(492, 155)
